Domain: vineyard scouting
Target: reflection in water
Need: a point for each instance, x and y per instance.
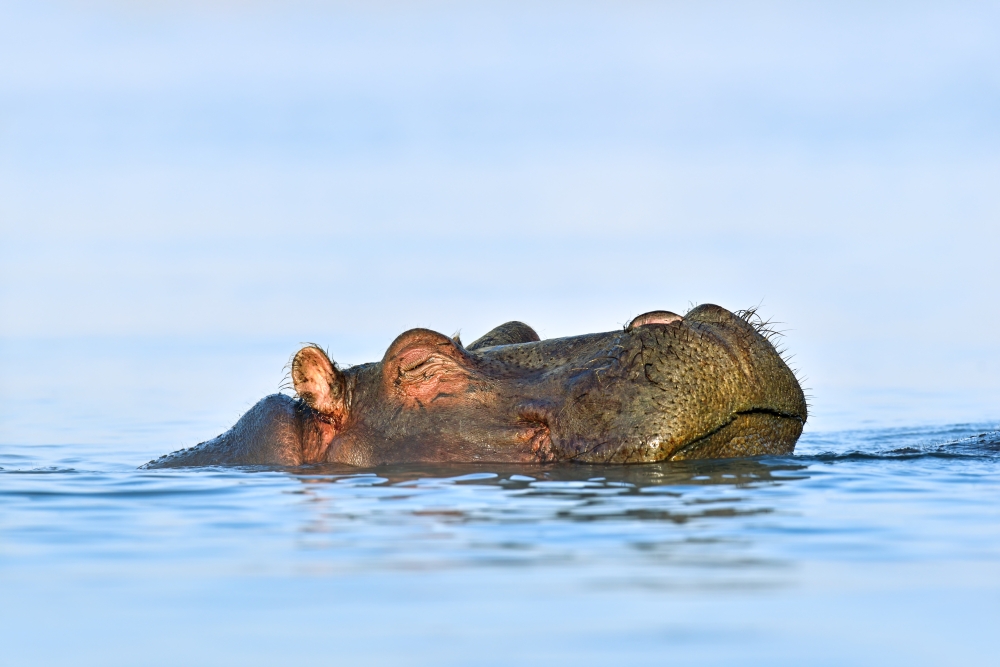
(690, 521)
(628, 560)
(668, 514)
(727, 471)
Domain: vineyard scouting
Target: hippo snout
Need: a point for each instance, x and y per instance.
(706, 385)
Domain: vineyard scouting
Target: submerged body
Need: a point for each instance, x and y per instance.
(706, 385)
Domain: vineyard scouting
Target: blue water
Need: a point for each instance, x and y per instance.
(872, 547)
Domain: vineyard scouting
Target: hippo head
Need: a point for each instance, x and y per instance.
(706, 385)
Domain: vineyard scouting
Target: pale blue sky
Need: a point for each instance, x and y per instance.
(340, 172)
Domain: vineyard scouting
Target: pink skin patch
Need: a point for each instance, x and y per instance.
(654, 317)
(317, 434)
(425, 378)
(426, 369)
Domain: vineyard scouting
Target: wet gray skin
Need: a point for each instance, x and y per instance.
(706, 385)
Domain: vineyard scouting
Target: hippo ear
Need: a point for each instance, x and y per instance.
(424, 367)
(317, 381)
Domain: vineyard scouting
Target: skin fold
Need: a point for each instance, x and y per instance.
(706, 385)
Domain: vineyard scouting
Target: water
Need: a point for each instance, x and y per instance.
(866, 547)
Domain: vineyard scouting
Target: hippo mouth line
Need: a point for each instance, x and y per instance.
(769, 411)
(752, 432)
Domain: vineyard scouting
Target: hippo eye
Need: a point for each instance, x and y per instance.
(426, 368)
(422, 365)
(425, 379)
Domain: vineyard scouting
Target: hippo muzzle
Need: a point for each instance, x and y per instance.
(706, 385)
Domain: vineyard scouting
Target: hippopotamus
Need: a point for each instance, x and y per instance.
(665, 387)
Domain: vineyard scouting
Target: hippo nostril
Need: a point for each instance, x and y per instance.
(654, 317)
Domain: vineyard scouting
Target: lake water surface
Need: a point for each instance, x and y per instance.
(867, 547)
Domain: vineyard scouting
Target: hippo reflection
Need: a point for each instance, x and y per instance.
(666, 387)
